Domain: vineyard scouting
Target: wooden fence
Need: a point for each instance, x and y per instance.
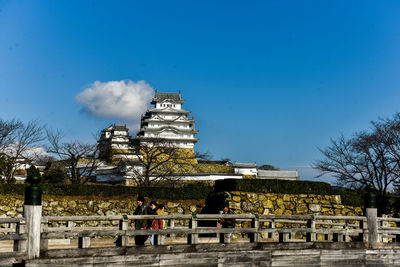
(202, 228)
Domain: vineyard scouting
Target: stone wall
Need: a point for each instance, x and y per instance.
(12, 206)
(288, 204)
(240, 202)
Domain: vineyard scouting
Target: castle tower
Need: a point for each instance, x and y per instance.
(167, 121)
(115, 144)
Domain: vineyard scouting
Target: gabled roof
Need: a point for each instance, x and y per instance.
(173, 97)
(169, 128)
(158, 118)
(244, 165)
(115, 128)
(168, 111)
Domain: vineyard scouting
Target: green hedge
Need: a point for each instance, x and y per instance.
(349, 197)
(190, 191)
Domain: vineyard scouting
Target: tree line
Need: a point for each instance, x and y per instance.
(75, 161)
(34, 143)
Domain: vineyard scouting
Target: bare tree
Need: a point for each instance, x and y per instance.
(388, 132)
(78, 158)
(268, 167)
(358, 162)
(161, 160)
(8, 131)
(16, 139)
(370, 159)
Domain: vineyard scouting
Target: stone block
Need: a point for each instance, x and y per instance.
(289, 206)
(302, 208)
(234, 205)
(314, 207)
(11, 213)
(286, 197)
(358, 210)
(267, 204)
(308, 200)
(278, 212)
(172, 204)
(193, 208)
(252, 196)
(247, 206)
(288, 212)
(236, 198)
(72, 204)
(4, 208)
(337, 199)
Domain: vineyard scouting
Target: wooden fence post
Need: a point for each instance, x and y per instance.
(33, 216)
(372, 220)
(397, 238)
(44, 243)
(172, 226)
(193, 238)
(20, 245)
(311, 237)
(272, 234)
(283, 237)
(123, 241)
(83, 242)
(255, 224)
(363, 236)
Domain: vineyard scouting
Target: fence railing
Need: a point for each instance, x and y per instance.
(202, 228)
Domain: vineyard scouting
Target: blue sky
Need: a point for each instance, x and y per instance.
(267, 81)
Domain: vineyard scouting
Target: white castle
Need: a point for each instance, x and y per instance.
(166, 122)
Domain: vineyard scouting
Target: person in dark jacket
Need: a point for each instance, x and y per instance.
(141, 209)
(226, 223)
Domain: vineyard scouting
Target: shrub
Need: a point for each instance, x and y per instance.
(56, 173)
(190, 191)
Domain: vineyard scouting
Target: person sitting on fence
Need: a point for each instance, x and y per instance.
(156, 223)
(141, 209)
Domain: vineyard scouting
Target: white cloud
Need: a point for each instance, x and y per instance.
(126, 100)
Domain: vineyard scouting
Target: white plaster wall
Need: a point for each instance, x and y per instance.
(246, 171)
(270, 174)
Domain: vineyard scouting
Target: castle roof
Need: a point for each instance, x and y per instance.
(173, 97)
(244, 165)
(150, 138)
(115, 128)
(169, 110)
(171, 128)
(180, 120)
